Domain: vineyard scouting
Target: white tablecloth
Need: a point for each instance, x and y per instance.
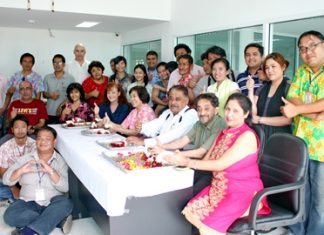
(108, 184)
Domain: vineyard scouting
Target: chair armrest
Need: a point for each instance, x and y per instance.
(270, 191)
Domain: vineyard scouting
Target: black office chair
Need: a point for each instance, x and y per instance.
(283, 166)
(259, 131)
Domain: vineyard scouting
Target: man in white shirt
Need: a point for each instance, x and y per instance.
(78, 68)
(172, 124)
(196, 71)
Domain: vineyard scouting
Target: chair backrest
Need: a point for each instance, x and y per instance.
(259, 131)
(284, 160)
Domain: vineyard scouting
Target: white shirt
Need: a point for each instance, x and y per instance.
(168, 127)
(175, 75)
(79, 72)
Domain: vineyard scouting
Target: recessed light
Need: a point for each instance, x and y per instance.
(87, 24)
(31, 21)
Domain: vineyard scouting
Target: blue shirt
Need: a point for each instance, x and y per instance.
(116, 117)
(155, 76)
(243, 77)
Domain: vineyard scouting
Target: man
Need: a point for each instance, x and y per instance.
(253, 54)
(55, 87)
(27, 62)
(152, 61)
(33, 109)
(43, 176)
(12, 150)
(306, 104)
(196, 71)
(202, 136)
(78, 68)
(172, 123)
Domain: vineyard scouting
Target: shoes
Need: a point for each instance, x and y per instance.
(5, 203)
(66, 224)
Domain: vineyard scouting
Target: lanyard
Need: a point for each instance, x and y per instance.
(40, 176)
(23, 151)
(314, 77)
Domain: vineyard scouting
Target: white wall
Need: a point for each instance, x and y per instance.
(146, 9)
(16, 41)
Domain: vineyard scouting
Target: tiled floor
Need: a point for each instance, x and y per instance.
(86, 226)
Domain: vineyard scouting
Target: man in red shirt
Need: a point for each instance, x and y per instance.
(33, 109)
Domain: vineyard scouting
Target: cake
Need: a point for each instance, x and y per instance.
(134, 161)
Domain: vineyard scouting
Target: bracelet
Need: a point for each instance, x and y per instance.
(51, 172)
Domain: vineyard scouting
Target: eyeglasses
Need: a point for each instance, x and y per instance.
(59, 63)
(311, 47)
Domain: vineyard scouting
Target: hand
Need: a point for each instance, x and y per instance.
(289, 110)
(255, 119)
(94, 93)
(67, 109)
(11, 90)
(30, 130)
(96, 109)
(55, 95)
(193, 82)
(138, 125)
(13, 113)
(28, 167)
(135, 141)
(44, 166)
(177, 159)
(250, 83)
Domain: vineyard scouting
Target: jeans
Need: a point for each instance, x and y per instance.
(314, 202)
(5, 192)
(42, 219)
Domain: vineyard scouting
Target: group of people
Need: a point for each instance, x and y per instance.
(202, 114)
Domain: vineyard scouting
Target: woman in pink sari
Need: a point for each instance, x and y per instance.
(236, 178)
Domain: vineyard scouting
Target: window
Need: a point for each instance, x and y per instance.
(136, 53)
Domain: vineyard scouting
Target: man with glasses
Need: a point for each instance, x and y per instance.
(55, 87)
(306, 104)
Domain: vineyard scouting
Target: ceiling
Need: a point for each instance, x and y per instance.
(19, 18)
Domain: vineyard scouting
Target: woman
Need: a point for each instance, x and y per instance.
(236, 178)
(76, 105)
(95, 85)
(159, 96)
(116, 106)
(120, 75)
(141, 113)
(223, 87)
(140, 79)
(267, 101)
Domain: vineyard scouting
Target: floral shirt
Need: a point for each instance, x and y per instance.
(83, 112)
(144, 115)
(309, 87)
(10, 151)
(34, 78)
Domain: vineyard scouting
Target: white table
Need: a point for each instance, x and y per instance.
(125, 196)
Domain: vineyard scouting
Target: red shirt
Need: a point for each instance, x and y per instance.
(89, 85)
(33, 111)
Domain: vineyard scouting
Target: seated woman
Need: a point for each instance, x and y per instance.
(141, 113)
(76, 107)
(224, 87)
(267, 101)
(236, 178)
(95, 85)
(140, 79)
(116, 106)
(159, 92)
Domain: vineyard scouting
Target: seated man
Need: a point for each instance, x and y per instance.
(33, 109)
(12, 150)
(43, 176)
(172, 124)
(202, 136)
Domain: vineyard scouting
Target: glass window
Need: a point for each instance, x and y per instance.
(232, 41)
(285, 36)
(136, 53)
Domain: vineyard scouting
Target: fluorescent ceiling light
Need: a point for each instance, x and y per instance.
(87, 24)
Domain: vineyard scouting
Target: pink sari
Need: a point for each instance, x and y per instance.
(231, 191)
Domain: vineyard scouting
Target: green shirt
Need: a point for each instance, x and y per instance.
(309, 87)
(204, 136)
